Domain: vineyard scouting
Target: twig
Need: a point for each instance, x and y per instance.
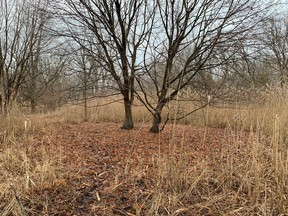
(183, 116)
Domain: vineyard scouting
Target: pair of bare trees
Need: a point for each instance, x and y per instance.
(185, 37)
(151, 49)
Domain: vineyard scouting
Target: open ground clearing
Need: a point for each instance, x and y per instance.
(106, 169)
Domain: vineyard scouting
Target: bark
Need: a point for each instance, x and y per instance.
(9, 99)
(2, 88)
(128, 122)
(33, 104)
(2, 98)
(157, 118)
(32, 90)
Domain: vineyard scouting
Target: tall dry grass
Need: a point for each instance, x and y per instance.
(25, 165)
(248, 177)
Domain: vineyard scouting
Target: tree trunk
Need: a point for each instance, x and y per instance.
(2, 99)
(7, 105)
(2, 83)
(128, 122)
(33, 105)
(157, 118)
(85, 97)
(9, 100)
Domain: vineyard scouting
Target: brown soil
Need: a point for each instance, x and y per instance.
(106, 169)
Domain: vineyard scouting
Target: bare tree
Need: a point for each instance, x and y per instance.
(275, 47)
(42, 75)
(245, 67)
(21, 28)
(192, 35)
(116, 30)
(89, 76)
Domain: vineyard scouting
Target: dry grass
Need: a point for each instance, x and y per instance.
(24, 166)
(261, 109)
(249, 176)
(98, 111)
